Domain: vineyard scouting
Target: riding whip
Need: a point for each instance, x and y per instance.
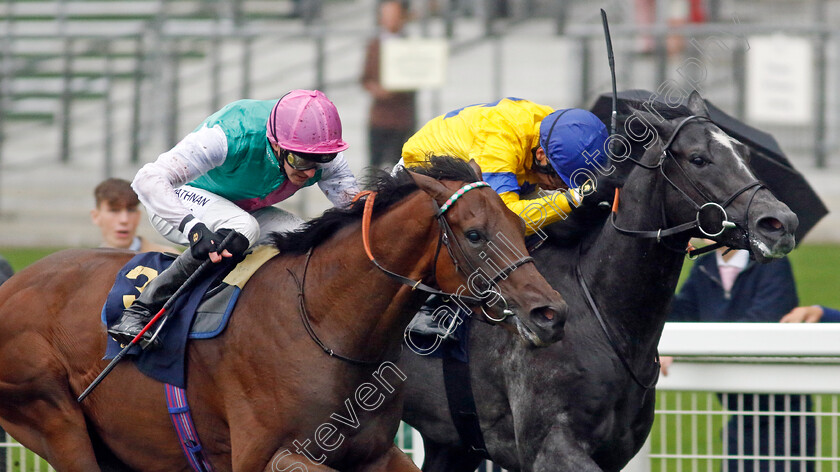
(612, 71)
(183, 288)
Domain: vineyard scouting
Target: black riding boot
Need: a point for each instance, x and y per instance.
(159, 290)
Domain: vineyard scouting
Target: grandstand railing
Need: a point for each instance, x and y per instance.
(717, 362)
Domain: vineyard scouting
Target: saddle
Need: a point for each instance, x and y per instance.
(201, 313)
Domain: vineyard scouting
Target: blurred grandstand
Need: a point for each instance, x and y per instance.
(91, 89)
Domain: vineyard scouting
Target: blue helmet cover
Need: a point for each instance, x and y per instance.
(566, 134)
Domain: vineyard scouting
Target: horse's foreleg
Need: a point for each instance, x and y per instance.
(59, 435)
(394, 460)
(38, 409)
(560, 454)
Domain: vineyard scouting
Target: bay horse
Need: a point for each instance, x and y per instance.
(587, 404)
(264, 395)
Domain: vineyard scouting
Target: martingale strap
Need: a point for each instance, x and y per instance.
(462, 409)
(179, 411)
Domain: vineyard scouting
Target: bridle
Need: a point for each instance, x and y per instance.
(663, 232)
(446, 238)
(709, 204)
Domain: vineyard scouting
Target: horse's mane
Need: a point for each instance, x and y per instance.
(389, 190)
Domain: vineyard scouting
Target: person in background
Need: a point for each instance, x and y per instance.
(812, 314)
(725, 286)
(679, 12)
(117, 214)
(221, 181)
(392, 113)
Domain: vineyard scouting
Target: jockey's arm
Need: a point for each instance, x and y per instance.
(501, 151)
(338, 182)
(191, 158)
(544, 210)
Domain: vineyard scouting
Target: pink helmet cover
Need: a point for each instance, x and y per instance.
(306, 121)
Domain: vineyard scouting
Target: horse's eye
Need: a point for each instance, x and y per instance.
(473, 235)
(699, 161)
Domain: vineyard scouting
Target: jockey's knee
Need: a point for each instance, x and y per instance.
(272, 219)
(244, 224)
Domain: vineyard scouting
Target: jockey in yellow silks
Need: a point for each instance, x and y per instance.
(519, 145)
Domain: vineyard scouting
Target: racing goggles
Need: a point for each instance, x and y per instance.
(305, 161)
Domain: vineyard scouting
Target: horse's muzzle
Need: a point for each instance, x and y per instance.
(773, 234)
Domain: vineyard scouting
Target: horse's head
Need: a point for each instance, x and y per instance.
(486, 258)
(709, 181)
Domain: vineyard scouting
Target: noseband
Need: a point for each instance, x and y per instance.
(709, 204)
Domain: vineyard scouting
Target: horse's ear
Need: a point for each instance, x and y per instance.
(476, 168)
(697, 105)
(432, 186)
(646, 128)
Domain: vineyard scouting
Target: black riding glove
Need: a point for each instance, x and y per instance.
(203, 241)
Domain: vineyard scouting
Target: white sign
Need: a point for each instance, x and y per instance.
(780, 80)
(413, 63)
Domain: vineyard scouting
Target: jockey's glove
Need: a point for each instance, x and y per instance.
(203, 241)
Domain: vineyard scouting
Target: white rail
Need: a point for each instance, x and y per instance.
(789, 362)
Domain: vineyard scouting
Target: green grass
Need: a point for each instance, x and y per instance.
(817, 272)
(22, 257)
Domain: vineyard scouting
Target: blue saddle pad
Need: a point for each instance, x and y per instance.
(168, 363)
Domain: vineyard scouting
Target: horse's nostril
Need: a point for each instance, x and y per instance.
(770, 223)
(547, 313)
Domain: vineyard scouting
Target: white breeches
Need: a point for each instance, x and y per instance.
(217, 212)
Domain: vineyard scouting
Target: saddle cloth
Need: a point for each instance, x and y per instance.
(201, 313)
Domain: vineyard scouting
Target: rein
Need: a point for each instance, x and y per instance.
(446, 238)
(664, 232)
(446, 235)
(304, 317)
(613, 343)
(414, 284)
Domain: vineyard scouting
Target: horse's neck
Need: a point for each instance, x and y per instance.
(376, 309)
(633, 279)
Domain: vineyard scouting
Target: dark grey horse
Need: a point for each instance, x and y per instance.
(586, 403)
